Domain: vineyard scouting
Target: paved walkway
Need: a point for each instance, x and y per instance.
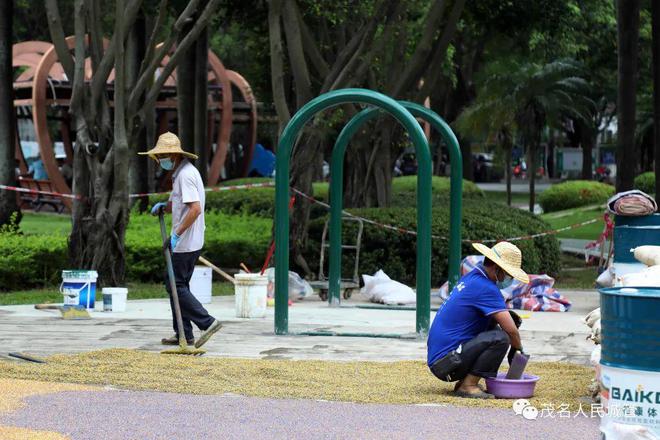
(577, 246)
(114, 414)
(517, 186)
(118, 415)
(547, 336)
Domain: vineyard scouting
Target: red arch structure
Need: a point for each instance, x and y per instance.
(42, 85)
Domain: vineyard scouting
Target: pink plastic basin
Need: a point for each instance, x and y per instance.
(511, 389)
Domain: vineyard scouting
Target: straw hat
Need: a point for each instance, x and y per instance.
(507, 256)
(168, 143)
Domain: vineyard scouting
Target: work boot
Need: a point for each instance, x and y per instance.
(208, 333)
(174, 340)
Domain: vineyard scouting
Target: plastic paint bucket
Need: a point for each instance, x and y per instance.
(200, 284)
(250, 295)
(114, 299)
(630, 358)
(79, 287)
(503, 388)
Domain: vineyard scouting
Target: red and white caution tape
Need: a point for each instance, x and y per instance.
(437, 237)
(325, 205)
(212, 189)
(75, 197)
(35, 191)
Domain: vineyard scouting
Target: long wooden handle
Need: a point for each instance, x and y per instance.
(170, 275)
(216, 269)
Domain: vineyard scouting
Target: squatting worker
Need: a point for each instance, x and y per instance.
(187, 236)
(465, 342)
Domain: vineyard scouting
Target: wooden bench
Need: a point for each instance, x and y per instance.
(37, 201)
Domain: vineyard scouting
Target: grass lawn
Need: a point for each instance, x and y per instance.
(135, 291)
(500, 197)
(573, 216)
(43, 223)
(575, 274)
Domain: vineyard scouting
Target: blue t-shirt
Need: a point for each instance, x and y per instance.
(465, 314)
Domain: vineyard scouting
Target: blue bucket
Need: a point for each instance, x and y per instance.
(79, 287)
(630, 358)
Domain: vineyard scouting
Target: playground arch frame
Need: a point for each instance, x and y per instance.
(288, 139)
(423, 303)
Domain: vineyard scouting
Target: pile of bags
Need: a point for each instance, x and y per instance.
(592, 320)
(380, 288)
(647, 277)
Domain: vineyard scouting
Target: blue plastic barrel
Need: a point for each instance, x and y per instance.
(631, 232)
(630, 358)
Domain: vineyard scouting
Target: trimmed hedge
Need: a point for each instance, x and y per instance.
(395, 253)
(646, 182)
(35, 260)
(574, 194)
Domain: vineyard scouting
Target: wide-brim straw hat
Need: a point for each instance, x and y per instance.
(507, 256)
(168, 143)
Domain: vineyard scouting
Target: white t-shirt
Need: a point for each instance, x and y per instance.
(187, 187)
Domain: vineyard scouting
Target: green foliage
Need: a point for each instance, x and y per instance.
(646, 182)
(404, 191)
(395, 253)
(34, 260)
(574, 194)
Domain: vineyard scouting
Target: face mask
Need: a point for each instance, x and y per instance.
(166, 163)
(505, 283)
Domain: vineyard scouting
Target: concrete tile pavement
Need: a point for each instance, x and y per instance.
(546, 336)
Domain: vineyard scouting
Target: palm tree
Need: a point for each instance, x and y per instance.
(526, 97)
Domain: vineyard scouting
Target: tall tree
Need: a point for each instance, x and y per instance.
(655, 24)
(627, 36)
(357, 46)
(7, 133)
(105, 139)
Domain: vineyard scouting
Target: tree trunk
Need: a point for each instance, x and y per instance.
(7, 143)
(551, 155)
(185, 95)
(587, 141)
(655, 18)
(628, 35)
(139, 169)
(531, 172)
(201, 103)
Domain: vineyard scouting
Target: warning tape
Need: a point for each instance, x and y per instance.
(212, 189)
(35, 191)
(437, 237)
(325, 205)
(76, 197)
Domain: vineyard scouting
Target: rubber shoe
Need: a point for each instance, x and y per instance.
(208, 333)
(174, 340)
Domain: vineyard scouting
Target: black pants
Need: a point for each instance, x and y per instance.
(191, 310)
(480, 356)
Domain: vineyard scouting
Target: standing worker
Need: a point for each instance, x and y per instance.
(473, 329)
(187, 236)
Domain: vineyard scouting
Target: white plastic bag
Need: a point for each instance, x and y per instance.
(649, 255)
(298, 287)
(382, 289)
(649, 277)
(592, 317)
(606, 279)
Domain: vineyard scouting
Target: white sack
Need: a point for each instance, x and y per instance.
(649, 255)
(381, 289)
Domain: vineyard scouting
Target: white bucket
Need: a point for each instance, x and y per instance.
(114, 299)
(251, 295)
(200, 284)
(79, 287)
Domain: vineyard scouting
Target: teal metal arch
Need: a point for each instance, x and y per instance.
(336, 189)
(287, 140)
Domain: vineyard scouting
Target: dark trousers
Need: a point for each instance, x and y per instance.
(191, 310)
(480, 356)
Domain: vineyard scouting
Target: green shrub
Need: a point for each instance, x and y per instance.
(574, 194)
(646, 182)
(36, 260)
(395, 253)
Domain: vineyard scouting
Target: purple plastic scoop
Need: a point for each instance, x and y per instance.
(518, 365)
